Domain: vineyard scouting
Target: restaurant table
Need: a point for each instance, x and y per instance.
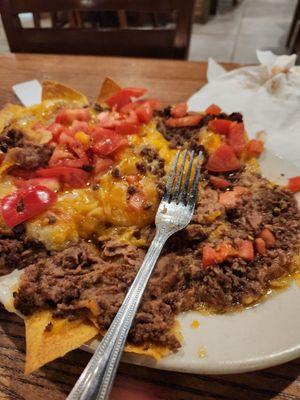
(171, 81)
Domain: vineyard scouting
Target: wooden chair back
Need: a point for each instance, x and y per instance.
(74, 37)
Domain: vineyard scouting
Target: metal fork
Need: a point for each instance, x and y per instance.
(174, 213)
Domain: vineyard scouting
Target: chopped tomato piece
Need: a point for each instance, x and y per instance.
(220, 126)
(102, 165)
(189, 120)
(236, 137)
(294, 184)
(229, 198)
(224, 251)
(254, 148)
(80, 126)
(75, 146)
(127, 129)
(68, 115)
(26, 203)
(136, 201)
(260, 246)
(124, 96)
(219, 183)
(23, 173)
(223, 160)
(154, 104)
(51, 183)
(179, 110)
(144, 112)
(108, 119)
(71, 177)
(62, 157)
(208, 256)
(56, 129)
(268, 237)
(109, 144)
(213, 109)
(246, 250)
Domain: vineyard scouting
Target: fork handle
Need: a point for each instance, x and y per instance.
(97, 378)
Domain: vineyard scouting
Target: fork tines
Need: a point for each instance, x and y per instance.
(182, 185)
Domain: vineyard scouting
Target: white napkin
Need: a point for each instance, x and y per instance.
(268, 95)
(29, 93)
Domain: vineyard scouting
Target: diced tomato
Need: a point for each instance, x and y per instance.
(127, 129)
(179, 110)
(254, 148)
(108, 119)
(50, 183)
(109, 144)
(229, 198)
(236, 137)
(294, 184)
(124, 96)
(213, 109)
(70, 177)
(219, 183)
(208, 256)
(26, 203)
(68, 115)
(154, 104)
(23, 173)
(246, 250)
(189, 120)
(98, 133)
(220, 126)
(144, 112)
(62, 157)
(223, 160)
(268, 237)
(124, 124)
(80, 126)
(56, 129)
(224, 251)
(75, 146)
(102, 165)
(136, 201)
(260, 246)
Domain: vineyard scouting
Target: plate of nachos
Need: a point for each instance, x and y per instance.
(79, 187)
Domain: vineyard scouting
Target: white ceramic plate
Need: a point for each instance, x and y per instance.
(260, 337)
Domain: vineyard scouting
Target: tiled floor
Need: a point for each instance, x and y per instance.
(234, 33)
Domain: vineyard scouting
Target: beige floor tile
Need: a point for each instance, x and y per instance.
(246, 46)
(264, 26)
(269, 8)
(219, 47)
(226, 23)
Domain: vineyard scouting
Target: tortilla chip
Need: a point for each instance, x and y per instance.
(108, 88)
(48, 338)
(8, 114)
(152, 350)
(56, 91)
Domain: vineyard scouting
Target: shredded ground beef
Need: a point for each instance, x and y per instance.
(23, 153)
(188, 136)
(85, 276)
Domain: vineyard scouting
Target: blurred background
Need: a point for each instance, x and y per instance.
(227, 30)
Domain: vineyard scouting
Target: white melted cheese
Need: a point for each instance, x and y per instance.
(8, 285)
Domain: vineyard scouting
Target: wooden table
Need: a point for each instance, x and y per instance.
(172, 81)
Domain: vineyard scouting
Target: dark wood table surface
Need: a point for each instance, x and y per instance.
(172, 81)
